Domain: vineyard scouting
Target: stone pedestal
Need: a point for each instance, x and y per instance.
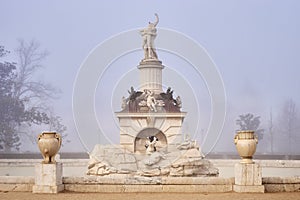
(248, 178)
(48, 178)
(151, 75)
(133, 124)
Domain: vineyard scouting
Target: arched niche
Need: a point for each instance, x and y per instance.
(141, 138)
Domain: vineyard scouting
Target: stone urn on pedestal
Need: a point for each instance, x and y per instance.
(245, 142)
(49, 143)
(48, 174)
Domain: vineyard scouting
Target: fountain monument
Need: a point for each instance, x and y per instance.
(150, 123)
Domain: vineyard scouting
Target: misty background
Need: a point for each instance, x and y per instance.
(254, 44)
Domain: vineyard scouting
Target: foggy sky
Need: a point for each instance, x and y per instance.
(255, 45)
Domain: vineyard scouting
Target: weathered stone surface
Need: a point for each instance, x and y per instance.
(126, 138)
(149, 172)
(196, 188)
(282, 187)
(80, 180)
(248, 178)
(94, 188)
(17, 179)
(117, 182)
(191, 170)
(249, 188)
(206, 183)
(154, 158)
(143, 188)
(16, 183)
(165, 171)
(105, 171)
(136, 180)
(48, 174)
(192, 153)
(48, 178)
(176, 171)
(109, 159)
(119, 179)
(197, 181)
(16, 187)
(281, 180)
(247, 174)
(148, 188)
(113, 183)
(191, 163)
(47, 189)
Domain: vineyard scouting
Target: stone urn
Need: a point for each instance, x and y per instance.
(245, 142)
(49, 143)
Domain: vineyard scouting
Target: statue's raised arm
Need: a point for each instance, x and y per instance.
(157, 20)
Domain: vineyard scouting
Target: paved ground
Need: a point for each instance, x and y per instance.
(147, 196)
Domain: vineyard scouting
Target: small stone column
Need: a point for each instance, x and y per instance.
(248, 178)
(48, 178)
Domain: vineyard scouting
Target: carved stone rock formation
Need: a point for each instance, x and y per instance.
(111, 159)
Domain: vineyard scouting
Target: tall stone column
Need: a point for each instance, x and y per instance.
(151, 75)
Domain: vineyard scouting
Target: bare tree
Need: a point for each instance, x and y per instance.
(26, 99)
(36, 93)
(55, 124)
(288, 121)
(30, 58)
(271, 131)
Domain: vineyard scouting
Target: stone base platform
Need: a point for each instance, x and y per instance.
(278, 184)
(16, 183)
(249, 188)
(48, 189)
(165, 184)
(121, 183)
(150, 189)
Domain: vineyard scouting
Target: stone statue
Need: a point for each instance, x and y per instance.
(178, 102)
(151, 101)
(133, 94)
(150, 144)
(132, 103)
(124, 103)
(170, 104)
(149, 34)
(187, 143)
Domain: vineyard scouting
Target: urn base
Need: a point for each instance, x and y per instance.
(246, 160)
